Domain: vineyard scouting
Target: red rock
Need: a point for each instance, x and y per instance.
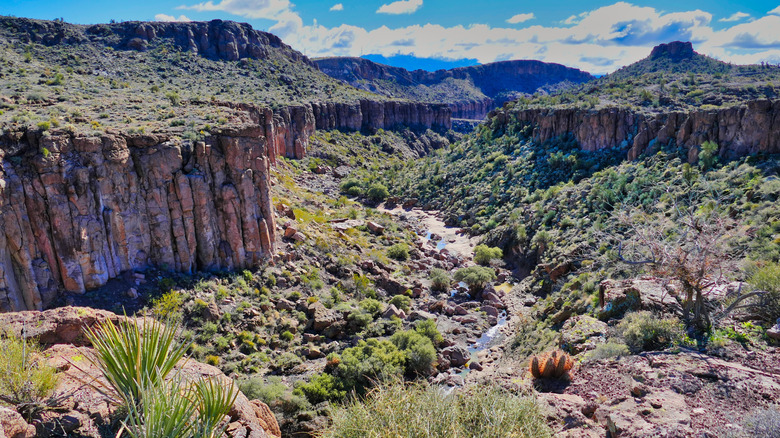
(12, 425)
(375, 227)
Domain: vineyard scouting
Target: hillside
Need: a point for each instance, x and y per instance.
(470, 91)
(673, 78)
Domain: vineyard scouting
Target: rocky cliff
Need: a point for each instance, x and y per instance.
(739, 130)
(471, 92)
(216, 39)
(76, 210)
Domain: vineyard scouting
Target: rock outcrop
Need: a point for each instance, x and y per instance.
(215, 39)
(85, 409)
(739, 130)
(496, 82)
(77, 210)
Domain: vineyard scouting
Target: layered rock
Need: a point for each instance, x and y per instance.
(739, 130)
(77, 210)
(496, 82)
(215, 39)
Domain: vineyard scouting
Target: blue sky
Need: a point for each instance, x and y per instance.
(597, 36)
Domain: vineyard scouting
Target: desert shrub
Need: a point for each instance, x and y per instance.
(767, 278)
(440, 280)
(320, 388)
(267, 392)
(646, 331)
(402, 302)
(370, 361)
(418, 410)
(427, 328)
(360, 318)
(476, 277)
(764, 423)
(372, 306)
(484, 254)
(377, 192)
(610, 350)
(353, 185)
(169, 305)
(419, 351)
(708, 154)
(25, 378)
(399, 251)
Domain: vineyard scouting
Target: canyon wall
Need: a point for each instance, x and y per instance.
(739, 130)
(77, 210)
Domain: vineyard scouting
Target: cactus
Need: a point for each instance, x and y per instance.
(553, 364)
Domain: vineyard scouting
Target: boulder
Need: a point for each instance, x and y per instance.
(321, 316)
(63, 325)
(375, 227)
(393, 311)
(12, 425)
(582, 333)
(457, 355)
(619, 296)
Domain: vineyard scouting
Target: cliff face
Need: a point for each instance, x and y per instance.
(75, 210)
(491, 84)
(216, 39)
(739, 131)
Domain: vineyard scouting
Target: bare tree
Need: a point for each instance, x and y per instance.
(690, 247)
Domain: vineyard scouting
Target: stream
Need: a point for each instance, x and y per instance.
(434, 232)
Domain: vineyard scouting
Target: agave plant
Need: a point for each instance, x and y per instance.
(132, 358)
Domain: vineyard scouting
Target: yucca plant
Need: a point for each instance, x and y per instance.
(131, 357)
(174, 408)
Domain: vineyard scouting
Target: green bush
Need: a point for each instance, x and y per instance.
(377, 192)
(484, 254)
(440, 280)
(350, 183)
(400, 410)
(767, 278)
(372, 306)
(320, 388)
(402, 302)
(399, 251)
(256, 389)
(610, 350)
(25, 378)
(427, 328)
(646, 331)
(419, 351)
(370, 361)
(476, 277)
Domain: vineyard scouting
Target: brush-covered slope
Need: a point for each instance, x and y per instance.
(145, 75)
(470, 91)
(672, 78)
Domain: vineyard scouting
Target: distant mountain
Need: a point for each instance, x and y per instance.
(471, 91)
(673, 77)
(414, 63)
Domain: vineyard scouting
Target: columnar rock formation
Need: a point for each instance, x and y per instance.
(739, 130)
(75, 211)
(78, 210)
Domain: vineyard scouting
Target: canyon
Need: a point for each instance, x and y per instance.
(471, 92)
(740, 130)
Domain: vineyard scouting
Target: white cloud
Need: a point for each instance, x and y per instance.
(737, 16)
(268, 9)
(599, 41)
(775, 11)
(520, 18)
(337, 7)
(164, 17)
(400, 7)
